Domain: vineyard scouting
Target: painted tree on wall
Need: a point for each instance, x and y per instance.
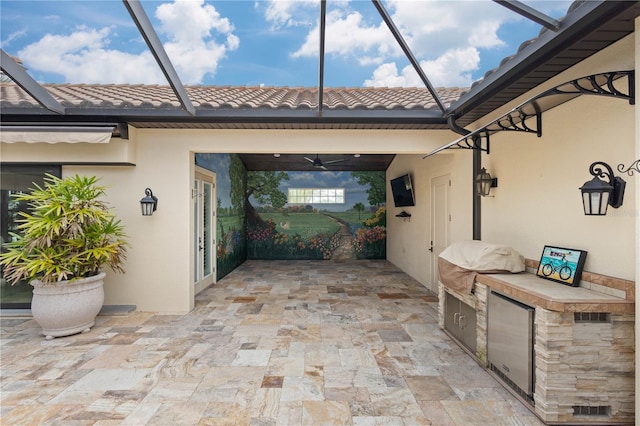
(263, 186)
(377, 192)
(359, 207)
(237, 175)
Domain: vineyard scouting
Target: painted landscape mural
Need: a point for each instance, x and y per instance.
(316, 215)
(337, 215)
(231, 248)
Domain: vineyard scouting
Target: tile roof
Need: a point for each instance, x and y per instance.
(126, 96)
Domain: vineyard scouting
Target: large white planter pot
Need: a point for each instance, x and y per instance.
(67, 307)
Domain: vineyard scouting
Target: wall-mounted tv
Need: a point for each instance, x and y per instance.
(402, 191)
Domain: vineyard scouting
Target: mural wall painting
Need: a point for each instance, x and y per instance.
(354, 228)
(231, 176)
(256, 221)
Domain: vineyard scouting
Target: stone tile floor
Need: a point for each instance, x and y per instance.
(273, 343)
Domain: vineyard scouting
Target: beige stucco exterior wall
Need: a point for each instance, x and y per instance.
(637, 156)
(159, 267)
(538, 202)
(408, 240)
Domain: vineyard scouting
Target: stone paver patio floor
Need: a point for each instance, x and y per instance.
(272, 343)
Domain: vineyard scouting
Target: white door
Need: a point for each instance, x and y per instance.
(204, 185)
(439, 223)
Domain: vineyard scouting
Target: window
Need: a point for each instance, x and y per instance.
(316, 196)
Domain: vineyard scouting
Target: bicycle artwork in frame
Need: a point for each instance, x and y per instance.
(562, 265)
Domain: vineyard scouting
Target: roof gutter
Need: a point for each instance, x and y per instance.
(583, 19)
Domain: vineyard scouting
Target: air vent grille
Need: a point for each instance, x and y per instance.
(600, 410)
(592, 317)
(511, 384)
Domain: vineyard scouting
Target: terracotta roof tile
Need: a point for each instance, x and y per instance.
(127, 96)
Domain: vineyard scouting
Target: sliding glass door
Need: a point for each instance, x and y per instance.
(16, 179)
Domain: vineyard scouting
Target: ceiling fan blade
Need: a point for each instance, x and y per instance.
(334, 161)
(308, 159)
(323, 168)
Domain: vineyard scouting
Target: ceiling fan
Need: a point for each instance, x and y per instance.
(319, 164)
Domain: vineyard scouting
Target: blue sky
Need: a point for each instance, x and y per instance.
(265, 42)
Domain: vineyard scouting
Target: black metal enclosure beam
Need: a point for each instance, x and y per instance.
(24, 80)
(407, 51)
(530, 13)
(151, 38)
(581, 23)
(323, 15)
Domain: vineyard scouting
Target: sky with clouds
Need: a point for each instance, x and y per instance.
(266, 42)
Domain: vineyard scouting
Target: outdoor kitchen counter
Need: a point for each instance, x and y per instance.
(538, 292)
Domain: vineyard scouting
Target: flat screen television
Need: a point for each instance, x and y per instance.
(402, 191)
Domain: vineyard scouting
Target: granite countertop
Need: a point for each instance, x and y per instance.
(538, 292)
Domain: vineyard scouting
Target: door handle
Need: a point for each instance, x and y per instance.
(431, 248)
(200, 246)
(456, 318)
(463, 322)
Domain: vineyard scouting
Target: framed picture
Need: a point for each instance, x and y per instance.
(562, 265)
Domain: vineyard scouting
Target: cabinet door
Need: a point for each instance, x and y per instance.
(467, 324)
(460, 322)
(452, 316)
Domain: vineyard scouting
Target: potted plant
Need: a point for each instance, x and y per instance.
(68, 236)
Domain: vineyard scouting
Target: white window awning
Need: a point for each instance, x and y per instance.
(56, 134)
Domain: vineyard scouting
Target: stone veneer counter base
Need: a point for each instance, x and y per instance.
(583, 346)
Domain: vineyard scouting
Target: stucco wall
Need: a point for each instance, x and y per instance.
(637, 239)
(538, 201)
(408, 241)
(159, 267)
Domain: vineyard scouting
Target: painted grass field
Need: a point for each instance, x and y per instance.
(304, 224)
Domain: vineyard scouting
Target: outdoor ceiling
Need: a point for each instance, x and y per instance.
(587, 28)
(331, 162)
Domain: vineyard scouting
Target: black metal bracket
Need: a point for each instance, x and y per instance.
(633, 168)
(527, 117)
(599, 84)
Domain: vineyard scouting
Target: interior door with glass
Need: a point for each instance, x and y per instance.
(204, 196)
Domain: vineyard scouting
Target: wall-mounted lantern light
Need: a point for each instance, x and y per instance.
(598, 194)
(484, 182)
(149, 203)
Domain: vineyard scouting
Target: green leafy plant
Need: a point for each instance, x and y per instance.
(69, 233)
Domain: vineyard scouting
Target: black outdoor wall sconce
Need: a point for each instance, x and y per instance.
(598, 194)
(149, 203)
(484, 182)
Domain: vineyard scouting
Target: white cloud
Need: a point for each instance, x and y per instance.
(84, 55)
(288, 13)
(193, 48)
(386, 75)
(443, 35)
(11, 37)
(485, 34)
(349, 36)
(451, 69)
